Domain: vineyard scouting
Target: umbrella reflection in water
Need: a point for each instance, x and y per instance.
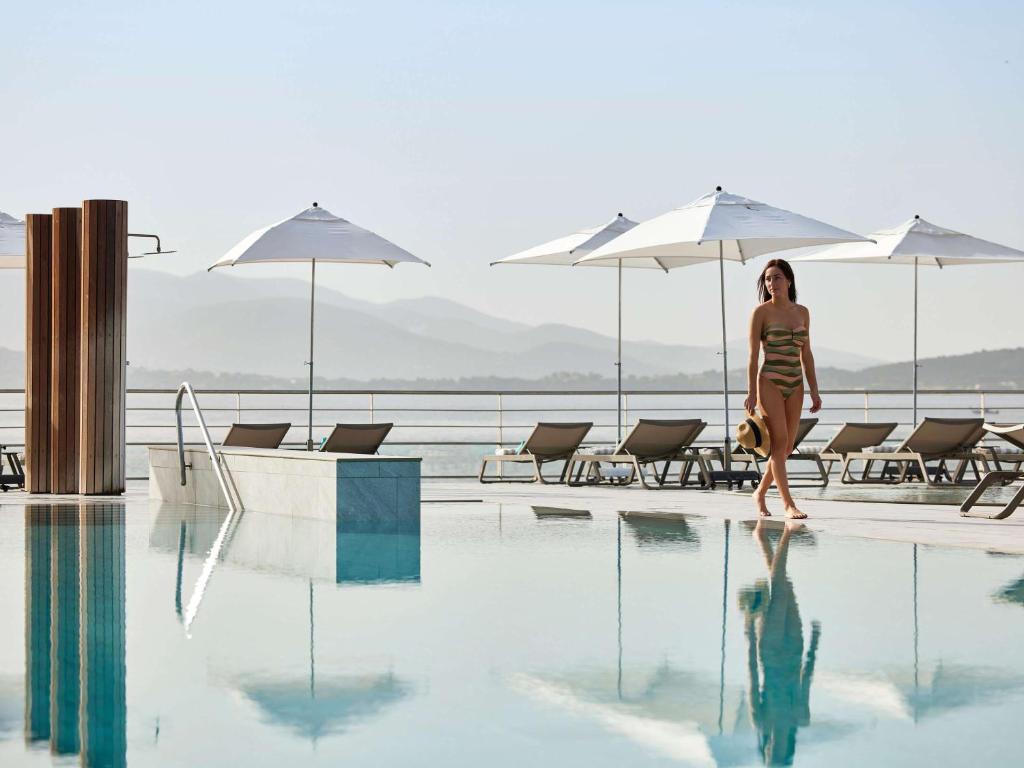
(691, 716)
(366, 552)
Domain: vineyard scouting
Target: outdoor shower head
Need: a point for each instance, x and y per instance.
(158, 252)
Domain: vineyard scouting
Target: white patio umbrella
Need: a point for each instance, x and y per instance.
(315, 235)
(563, 252)
(12, 242)
(918, 242)
(718, 226)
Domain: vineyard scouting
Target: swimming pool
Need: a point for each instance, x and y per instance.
(497, 635)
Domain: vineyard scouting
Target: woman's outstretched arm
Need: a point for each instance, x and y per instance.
(750, 404)
(807, 358)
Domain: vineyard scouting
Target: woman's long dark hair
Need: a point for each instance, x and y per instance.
(762, 291)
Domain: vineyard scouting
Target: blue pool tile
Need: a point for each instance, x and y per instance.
(408, 468)
(359, 468)
(367, 504)
(407, 504)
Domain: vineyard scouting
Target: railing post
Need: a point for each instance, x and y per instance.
(371, 407)
(867, 406)
(238, 407)
(501, 434)
(981, 397)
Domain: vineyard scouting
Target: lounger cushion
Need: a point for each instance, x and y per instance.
(615, 472)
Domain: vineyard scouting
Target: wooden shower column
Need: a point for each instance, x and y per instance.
(101, 436)
(37, 351)
(65, 342)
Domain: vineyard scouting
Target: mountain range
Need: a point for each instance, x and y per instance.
(222, 324)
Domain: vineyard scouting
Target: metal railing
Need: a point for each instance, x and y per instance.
(451, 428)
(186, 389)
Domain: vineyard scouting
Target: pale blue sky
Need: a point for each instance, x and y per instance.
(467, 130)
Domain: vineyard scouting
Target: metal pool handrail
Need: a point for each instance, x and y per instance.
(211, 559)
(184, 389)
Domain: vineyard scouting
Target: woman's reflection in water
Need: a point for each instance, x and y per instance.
(780, 677)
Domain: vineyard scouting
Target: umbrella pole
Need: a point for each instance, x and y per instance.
(727, 456)
(618, 366)
(915, 343)
(312, 306)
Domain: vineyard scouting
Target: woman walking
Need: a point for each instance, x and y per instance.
(781, 327)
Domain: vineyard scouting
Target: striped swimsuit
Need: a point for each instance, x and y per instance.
(782, 366)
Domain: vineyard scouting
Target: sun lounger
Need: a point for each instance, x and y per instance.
(356, 438)
(548, 442)
(1005, 459)
(851, 437)
(256, 435)
(1001, 476)
(16, 477)
(649, 442)
(933, 440)
(998, 478)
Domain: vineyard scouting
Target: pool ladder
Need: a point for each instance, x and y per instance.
(186, 389)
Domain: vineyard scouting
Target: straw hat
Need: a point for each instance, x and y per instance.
(752, 434)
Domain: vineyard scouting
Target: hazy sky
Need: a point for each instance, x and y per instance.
(465, 131)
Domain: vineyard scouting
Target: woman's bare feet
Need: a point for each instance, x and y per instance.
(794, 514)
(762, 506)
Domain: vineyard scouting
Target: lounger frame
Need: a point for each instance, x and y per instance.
(16, 477)
(535, 456)
(1001, 478)
(905, 464)
(585, 468)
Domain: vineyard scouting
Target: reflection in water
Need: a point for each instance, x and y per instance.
(1012, 592)
(336, 702)
(75, 630)
(372, 547)
(780, 677)
(356, 550)
(365, 552)
(377, 558)
(654, 531)
(543, 513)
(37, 622)
(65, 667)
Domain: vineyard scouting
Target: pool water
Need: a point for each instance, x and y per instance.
(498, 636)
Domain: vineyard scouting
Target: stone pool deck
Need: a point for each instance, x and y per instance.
(931, 524)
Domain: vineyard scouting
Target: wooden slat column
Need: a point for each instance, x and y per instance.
(101, 468)
(65, 310)
(37, 351)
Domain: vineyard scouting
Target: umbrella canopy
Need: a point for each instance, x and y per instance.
(917, 242)
(564, 252)
(315, 235)
(12, 242)
(920, 242)
(718, 226)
